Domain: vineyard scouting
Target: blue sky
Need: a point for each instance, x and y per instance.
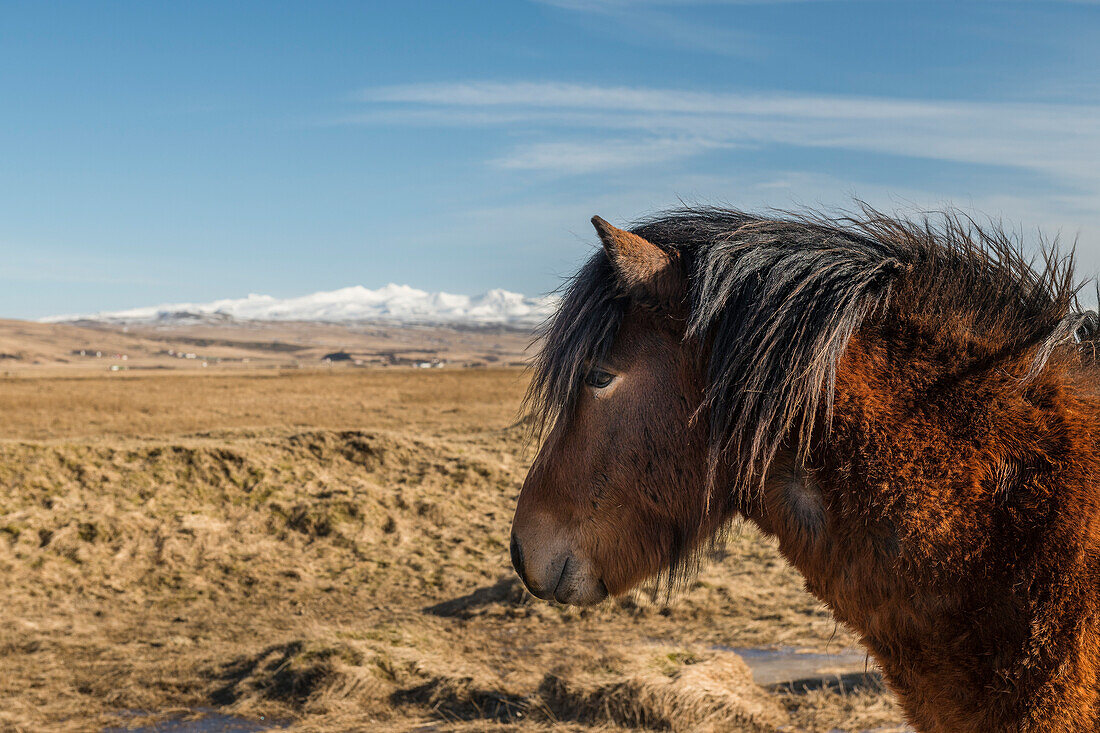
(156, 152)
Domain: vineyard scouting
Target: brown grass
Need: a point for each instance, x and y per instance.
(329, 549)
(432, 401)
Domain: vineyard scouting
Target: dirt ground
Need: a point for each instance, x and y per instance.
(328, 550)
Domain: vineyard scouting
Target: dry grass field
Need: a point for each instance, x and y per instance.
(327, 550)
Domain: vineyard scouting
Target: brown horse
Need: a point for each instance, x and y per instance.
(909, 407)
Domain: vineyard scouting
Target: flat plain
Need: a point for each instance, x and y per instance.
(195, 344)
(326, 549)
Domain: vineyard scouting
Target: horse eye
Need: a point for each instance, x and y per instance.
(598, 378)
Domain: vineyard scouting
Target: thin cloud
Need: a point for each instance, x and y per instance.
(642, 21)
(666, 19)
(599, 155)
(641, 99)
(1056, 140)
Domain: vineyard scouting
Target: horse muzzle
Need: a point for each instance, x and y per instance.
(553, 570)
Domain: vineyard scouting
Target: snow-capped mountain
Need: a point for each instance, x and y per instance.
(392, 303)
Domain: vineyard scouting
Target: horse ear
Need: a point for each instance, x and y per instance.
(640, 264)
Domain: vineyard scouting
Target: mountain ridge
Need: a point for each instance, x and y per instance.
(391, 303)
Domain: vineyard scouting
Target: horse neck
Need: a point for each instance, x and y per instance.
(939, 518)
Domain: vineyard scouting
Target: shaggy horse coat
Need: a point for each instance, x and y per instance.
(910, 408)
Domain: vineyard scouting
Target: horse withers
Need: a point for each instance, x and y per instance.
(909, 407)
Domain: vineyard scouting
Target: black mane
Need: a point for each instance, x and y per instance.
(776, 299)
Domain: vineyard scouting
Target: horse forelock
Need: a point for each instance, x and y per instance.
(579, 333)
(775, 300)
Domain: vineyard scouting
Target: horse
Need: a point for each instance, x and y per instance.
(908, 405)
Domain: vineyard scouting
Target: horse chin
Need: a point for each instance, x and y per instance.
(580, 589)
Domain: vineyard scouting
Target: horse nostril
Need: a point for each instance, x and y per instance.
(517, 559)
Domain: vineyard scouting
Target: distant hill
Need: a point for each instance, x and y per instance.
(183, 340)
(392, 304)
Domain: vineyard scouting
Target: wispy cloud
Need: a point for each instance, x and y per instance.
(614, 125)
(674, 24)
(642, 99)
(593, 156)
(641, 21)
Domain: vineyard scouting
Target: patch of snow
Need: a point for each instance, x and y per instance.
(392, 303)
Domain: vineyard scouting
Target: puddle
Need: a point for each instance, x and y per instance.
(801, 671)
(210, 722)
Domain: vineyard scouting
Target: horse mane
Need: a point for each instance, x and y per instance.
(774, 301)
